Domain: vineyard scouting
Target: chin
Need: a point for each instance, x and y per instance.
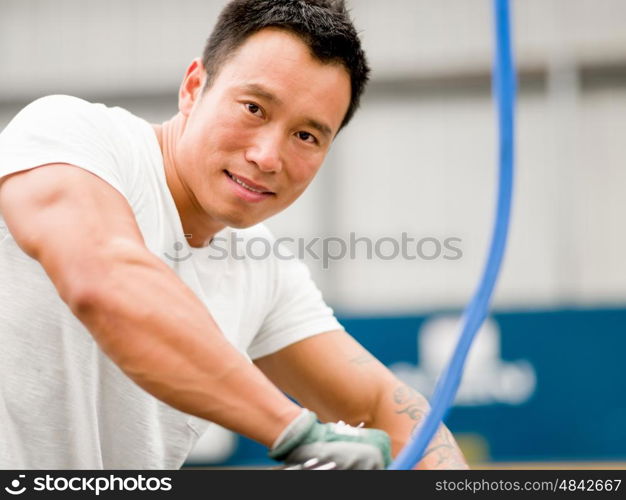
(241, 221)
(242, 224)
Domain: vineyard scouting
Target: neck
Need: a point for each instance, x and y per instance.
(198, 226)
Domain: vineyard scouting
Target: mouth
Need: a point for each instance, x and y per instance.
(248, 184)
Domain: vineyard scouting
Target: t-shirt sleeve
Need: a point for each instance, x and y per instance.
(64, 129)
(298, 311)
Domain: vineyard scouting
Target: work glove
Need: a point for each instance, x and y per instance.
(305, 441)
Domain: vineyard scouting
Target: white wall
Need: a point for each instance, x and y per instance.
(137, 46)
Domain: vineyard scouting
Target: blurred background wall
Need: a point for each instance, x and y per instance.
(420, 159)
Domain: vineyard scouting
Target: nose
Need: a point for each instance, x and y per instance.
(265, 152)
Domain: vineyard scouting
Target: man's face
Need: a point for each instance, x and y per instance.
(256, 138)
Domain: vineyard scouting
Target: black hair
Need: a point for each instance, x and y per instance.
(323, 25)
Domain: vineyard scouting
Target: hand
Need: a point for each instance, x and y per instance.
(347, 447)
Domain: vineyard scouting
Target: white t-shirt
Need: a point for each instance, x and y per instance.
(63, 403)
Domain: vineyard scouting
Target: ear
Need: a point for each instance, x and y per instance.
(191, 87)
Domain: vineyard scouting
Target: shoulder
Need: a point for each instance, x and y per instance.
(59, 100)
(70, 111)
(58, 104)
(67, 129)
(59, 116)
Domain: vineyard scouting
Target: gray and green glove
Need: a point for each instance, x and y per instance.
(347, 447)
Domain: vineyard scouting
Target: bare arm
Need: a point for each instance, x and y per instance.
(337, 378)
(84, 234)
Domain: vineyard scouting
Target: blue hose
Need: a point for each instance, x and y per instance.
(504, 88)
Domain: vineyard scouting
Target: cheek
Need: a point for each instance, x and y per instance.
(204, 146)
(302, 174)
(306, 167)
(225, 131)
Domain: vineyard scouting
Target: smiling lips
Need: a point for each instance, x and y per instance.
(248, 190)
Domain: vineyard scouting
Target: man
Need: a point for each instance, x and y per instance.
(115, 354)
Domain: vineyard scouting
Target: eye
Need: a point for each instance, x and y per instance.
(254, 109)
(307, 137)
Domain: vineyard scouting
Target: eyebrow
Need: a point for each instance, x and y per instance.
(260, 91)
(320, 127)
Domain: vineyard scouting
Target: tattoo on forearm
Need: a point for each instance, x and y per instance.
(410, 402)
(443, 448)
(445, 451)
(403, 394)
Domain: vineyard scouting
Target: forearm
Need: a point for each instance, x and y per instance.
(158, 332)
(399, 411)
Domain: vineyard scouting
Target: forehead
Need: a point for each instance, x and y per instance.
(282, 63)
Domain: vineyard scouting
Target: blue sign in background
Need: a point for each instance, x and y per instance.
(577, 410)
